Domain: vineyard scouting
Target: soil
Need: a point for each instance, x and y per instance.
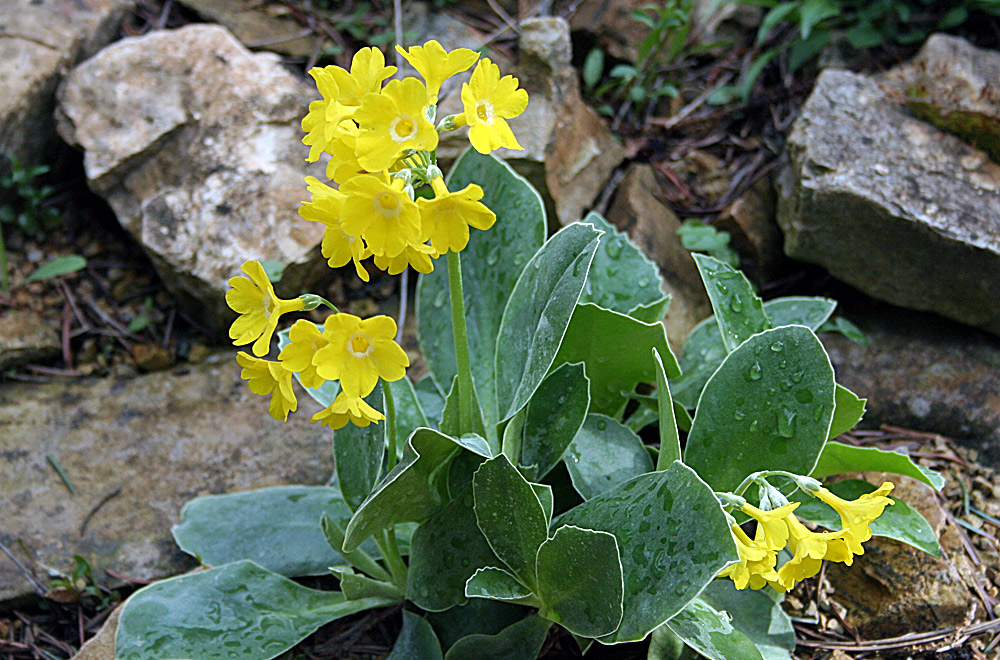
(115, 317)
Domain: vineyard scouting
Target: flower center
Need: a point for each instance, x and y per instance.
(359, 345)
(268, 303)
(403, 128)
(387, 204)
(484, 110)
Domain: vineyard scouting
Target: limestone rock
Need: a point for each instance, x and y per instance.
(195, 143)
(956, 87)
(653, 227)
(924, 373)
(259, 25)
(39, 41)
(25, 336)
(158, 441)
(890, 204)
(755, 233)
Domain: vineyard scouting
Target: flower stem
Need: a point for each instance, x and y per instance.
(390, 424)
(461, 342)
(4, 282)
(389, 548)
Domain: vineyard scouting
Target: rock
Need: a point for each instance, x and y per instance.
(890, 204)
(653, 227)
(894, 589)
(260, 25)
(208, 170)
(755, 233)
(612, 24)
(157, 441)
(102, 645)
(956, 87)
(924, 373)
(26, 336)
(39, 41)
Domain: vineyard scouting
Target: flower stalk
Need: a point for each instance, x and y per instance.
(461, 342)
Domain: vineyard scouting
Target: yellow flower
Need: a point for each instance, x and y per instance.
(488, 101)
(259, 309)
(808, 551)
(359, 353)
(368, 70)
(756, 565)
(437, 65)
(338, 247)
(447, 217)
(381, 213)
(857, 515)
(771, 526)
(346, 409)
(269, 378)
(305, 339)
(320, 123)
(416, 255)
(392, 121)
(343, 162)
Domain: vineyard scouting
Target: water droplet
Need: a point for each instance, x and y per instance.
(777, 347)
(783, 364)
(804, 396)
(818, 412)
(440, 298)
(798, 376)
(786, 423)
(721, 286)
(739, 415)
(755, 371)
(754, 424)
(614, 247)
(736, 304)
(602, 425)
(494, 256)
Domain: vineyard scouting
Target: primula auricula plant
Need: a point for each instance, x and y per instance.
(510, 488)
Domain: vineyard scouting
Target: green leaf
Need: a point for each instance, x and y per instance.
(756, 614)
(899, 521)
(416, 641)
(510, 516)
(358, 453)
(451, 418)
(737, 308)
(521, 640)
(673, 538)
(238, 610)
(138, 323)
(538, 313)
(812, 12)
(699, 237)
(547, 498)
(477, 617)
(604, 454)
(554, 415)
(838, 458)
(710, 633)
(670, 441)
(409, 413)
(773, 17)
(356, 586)
(496, 584)
(665, 645)
(704, 350)
(274, 270)
(491, 265)
(431, 400)
(334, 533)
(414, 489)
(846, 328)
(768, 407)
(58, 266)
(593, 68)
(622, 278)
(580, 581)
(445, 552)
(615, 349)
(654, 312)
(847, 412)
(278, 528)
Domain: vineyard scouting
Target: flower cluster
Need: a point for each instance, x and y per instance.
(381, 141)
(779, 528)
(350, 350)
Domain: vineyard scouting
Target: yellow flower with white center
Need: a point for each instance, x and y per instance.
(269, 378)
(368, 71)
(304, 340)
(392, 121)
(359, 353)
(808, 549)
(446, 218)
(756, 564)
(338, 247)
(346, 409)
(771, 526)
(381, 213)
(416, 255)
(857, 515)
(436, 64)
(259, 309)
(488, 101)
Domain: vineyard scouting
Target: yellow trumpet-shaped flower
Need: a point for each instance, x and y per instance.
(488, 101)
(359, 353)
(368, 71)
(809, 549)
(259, 309)
(446, 218)
(381, 213)
(756, 565)
(771, 526)
(320, 123)
(269, 378)
(342, 148)
(436, 64)
(392, 121)
(338, 247)
(417, 255)
(304, 340)
(346, 409)
(857, 515)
